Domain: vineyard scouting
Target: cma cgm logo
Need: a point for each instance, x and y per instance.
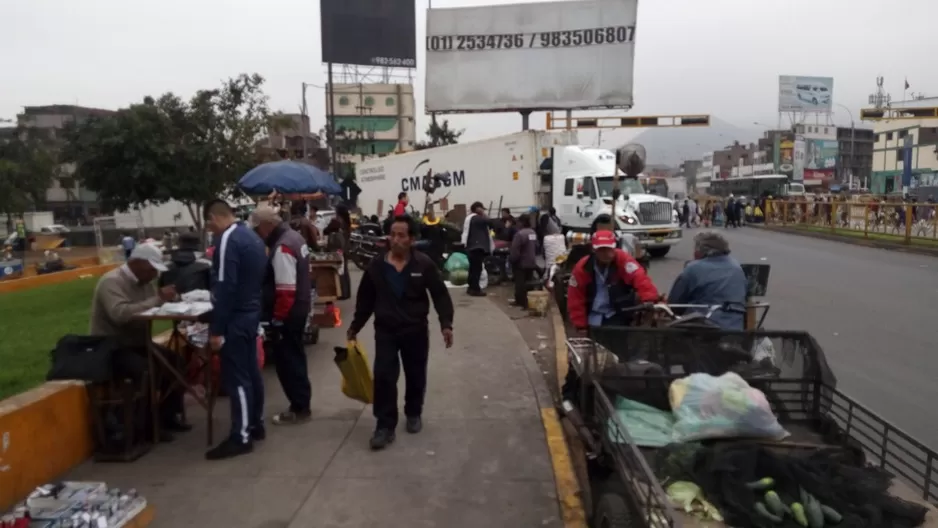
(441, 179)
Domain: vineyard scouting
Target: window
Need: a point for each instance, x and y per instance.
(343, 101)
(568, 187)
(369, 101)
(389, 101)
(877, 138)
(888, 136)
(903, 133)
(589, 188)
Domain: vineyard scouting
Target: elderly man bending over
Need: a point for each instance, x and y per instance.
(713, 277)
(121, 294)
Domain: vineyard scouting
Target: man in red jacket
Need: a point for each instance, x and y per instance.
(604, 283)
(401, 208)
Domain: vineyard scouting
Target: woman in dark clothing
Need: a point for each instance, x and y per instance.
(337, 236)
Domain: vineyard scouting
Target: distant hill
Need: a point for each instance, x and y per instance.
(670, 146)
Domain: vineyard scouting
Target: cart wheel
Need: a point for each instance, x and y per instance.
(311, 335)
(612, 508)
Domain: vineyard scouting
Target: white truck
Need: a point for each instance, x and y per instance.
(521, 170)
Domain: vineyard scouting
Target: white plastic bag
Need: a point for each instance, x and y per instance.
(721, 407)
(483, 280)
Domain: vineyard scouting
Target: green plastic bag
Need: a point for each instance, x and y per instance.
(456, 262)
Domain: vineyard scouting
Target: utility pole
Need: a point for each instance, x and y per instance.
(304, 124)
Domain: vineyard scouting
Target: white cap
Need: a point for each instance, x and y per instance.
(149, 253)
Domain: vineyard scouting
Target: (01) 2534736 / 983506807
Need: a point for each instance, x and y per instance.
(541, 39)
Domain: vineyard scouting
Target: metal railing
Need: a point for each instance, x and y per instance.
(898, 222)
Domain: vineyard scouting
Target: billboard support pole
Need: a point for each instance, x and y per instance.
(569, 119)
(526, 120)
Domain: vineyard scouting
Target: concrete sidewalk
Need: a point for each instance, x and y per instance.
(482, 459)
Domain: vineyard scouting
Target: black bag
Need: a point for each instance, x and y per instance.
(85, 358)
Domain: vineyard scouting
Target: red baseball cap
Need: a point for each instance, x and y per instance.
(604, 239)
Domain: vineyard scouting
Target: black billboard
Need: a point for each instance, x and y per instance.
(369, 32)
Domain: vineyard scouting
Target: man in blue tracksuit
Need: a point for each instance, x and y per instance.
(239, 263)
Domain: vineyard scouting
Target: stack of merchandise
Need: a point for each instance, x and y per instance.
(75, 505)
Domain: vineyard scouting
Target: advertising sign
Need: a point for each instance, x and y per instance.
(369, 32)
(786, 156)
(544, 56)
(798, 155)
(805, 94)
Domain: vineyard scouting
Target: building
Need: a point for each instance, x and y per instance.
(817, 164)
(689, 170)
(855, 155)
(916, 135)
(372, 119)
(705, 174)
(292, 141)
(734, 155)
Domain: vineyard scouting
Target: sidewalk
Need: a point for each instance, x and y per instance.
(482, 459)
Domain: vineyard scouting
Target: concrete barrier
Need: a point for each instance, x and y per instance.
(44, 433)
(28, 283)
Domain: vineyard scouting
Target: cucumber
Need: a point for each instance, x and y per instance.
(764, 512)
(797, 512)
(813, 512)
(774, 503)
(831, 514)
(761, 484)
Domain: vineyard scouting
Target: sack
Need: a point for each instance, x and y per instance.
(356, 375)
(85, 358)
(456, 262)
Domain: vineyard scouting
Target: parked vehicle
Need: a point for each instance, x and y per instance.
(522, 170)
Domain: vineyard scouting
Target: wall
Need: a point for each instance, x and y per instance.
(890, 135)
(383, 113)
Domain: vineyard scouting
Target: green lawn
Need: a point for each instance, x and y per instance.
(31, 322)
(881, 237)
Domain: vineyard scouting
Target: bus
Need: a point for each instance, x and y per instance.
(775, 185)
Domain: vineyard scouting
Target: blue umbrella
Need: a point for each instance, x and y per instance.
(288, 177)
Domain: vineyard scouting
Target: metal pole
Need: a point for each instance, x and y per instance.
(304, 120)
(330, 119)
(525, 119)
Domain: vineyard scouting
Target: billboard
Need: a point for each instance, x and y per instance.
(805, 94)
(798, 157)
(543, 56)
(820, 160)
(369, 32)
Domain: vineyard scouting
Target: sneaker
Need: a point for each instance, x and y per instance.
(229, 449)
(381, 439)
(258, 433)
(291, 418)
(414, 424)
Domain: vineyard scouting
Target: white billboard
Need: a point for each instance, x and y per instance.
(805, 94)
(544, 56)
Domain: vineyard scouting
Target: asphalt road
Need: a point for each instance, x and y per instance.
(873, 311)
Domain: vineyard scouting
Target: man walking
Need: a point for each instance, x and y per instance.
(478, 242)
(523, 259)
(239, 263)
(394, 288)
(287, 302)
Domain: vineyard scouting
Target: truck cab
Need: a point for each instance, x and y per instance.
(582, 182)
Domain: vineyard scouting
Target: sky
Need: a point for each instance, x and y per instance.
(717, 57)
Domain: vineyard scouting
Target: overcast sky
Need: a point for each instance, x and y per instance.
(719, 57)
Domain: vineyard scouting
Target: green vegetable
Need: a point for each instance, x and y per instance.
(831, 514)
(763, 511)
(797, 511)
(761, 484)
(774, 503)
(812, 511)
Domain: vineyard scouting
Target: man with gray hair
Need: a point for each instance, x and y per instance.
(713, 278)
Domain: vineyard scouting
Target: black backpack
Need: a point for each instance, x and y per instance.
(85, 358)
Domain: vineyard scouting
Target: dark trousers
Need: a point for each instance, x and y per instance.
(292, 371)
(241, 377)
(132, 363)
(522, 278)
(391, 351)
(476, 260)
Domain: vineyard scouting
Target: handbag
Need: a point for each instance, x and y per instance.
(85, 358)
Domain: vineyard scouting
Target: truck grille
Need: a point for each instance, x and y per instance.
(654, 213)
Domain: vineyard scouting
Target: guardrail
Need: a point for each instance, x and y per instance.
(896, 222)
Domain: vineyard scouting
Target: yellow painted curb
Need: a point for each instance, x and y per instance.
(568, 490)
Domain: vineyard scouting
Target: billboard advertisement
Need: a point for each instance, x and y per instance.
(543, 56)
(369, 32)
(798, 157)
(820, 160)
(786, 155)
(805, 94)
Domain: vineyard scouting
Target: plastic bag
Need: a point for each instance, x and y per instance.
(721, 407)
(648, 427)
(356, 375)
(483, 280)
(456, 261)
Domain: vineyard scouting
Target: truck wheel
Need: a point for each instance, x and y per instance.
(659, 252)
(612, 511)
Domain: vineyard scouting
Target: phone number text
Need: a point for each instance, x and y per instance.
(544, 39)
(393, 61)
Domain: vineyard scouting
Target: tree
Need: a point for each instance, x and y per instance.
(169, 149)
(28, 166)
(439, 135)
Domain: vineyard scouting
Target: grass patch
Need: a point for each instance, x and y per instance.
(881, 237)
(33, 321)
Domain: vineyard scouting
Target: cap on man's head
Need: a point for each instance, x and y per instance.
(604, 239)
(149, 253)
(265, 214)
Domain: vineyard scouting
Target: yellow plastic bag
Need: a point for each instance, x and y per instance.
(356, 374)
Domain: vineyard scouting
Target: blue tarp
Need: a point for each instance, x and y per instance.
(288, 177)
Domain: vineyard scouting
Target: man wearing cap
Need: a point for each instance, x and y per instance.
(239, 264)
(287, 302)
(121, 294)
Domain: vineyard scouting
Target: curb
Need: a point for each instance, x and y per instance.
(853, 241)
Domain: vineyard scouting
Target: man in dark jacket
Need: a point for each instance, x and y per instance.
(186, 271)
(523, 258)
(394, 288)
(239, 263)
(477, 240)
(713, 278)
(287, 302)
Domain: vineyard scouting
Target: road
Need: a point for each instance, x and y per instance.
(873, 311)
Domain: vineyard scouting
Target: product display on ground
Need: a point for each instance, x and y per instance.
(75, 505)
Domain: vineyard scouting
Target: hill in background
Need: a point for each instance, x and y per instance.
(670, 146)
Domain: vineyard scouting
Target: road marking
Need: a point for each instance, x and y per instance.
(568, 490)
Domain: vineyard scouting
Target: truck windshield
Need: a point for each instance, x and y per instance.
(626, 186)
